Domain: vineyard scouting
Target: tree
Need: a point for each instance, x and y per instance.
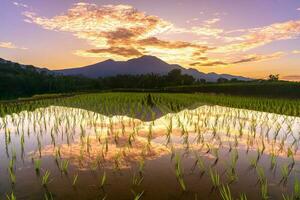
(201, 81)
(273, 77)
(222, 80)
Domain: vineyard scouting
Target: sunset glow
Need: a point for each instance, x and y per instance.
(250, 38)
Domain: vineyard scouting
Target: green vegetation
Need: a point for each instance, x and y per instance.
(20, 81)
(274, 89)
(225, 193)
(24, 81)
(45, 178)
(117, 103)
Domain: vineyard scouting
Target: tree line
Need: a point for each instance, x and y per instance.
(23, 81)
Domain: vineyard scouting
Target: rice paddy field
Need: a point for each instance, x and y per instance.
(150, 146)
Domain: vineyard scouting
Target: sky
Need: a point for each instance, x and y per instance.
(252, 38)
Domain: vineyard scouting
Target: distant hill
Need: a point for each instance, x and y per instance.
(13, 67)
(141, 65)
(17, 80)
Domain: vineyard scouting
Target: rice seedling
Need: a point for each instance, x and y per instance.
(297, 189)
(11, 164)
(64, 166)
(285, 173)
(45, 178)
(253, 162)
(243, 197)
(273, 161)
(137, 180)
(12, 176)
(215, 153)
(179, 172)
(103, 180)
(225, 193)
(137, 196)
(48, 196)
(261, 175)
(211, 128)
(141, 166)
(75, 178)
(231, 173)
(286, 197)
(264, 191)
(37, 166)
(11, 197)
(215, 178)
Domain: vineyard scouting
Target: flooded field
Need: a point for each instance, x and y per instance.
(204, 152)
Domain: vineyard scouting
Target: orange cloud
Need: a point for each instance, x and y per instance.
(296, 52)
(126, 52)
(198, 30)
(208, 64)
(118, 32)
(257, 37)
(10, 45)
(100, 24)
(257, 57)
(241, 59)
(122, 32)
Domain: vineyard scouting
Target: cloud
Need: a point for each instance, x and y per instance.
(208, 64)
(111, 29)
(10, 45)
(258, 58)
(298, 9)
(153, 41)
(212, 21)
(192, 20)
(126, 52)
(296, 52)
(100, 24)
(242, 59)
(198, 30)
(257, 37)
(122, 32)
(20, 4)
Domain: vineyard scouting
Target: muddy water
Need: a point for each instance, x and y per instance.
(129, 150)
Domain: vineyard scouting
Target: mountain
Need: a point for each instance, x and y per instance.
(141, 65)
(13, 67)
